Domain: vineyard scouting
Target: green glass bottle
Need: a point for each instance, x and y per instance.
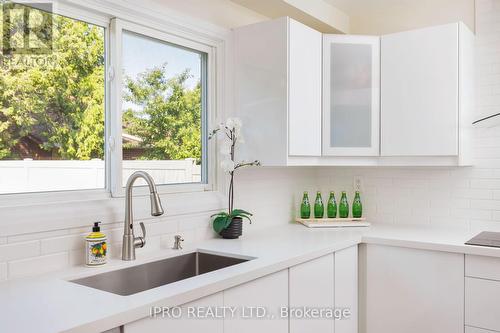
(319, 209)
(357, 207)
(305, 207)
(331, 207)
(343, 206)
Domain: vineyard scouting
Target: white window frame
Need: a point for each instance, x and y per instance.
(180, 35)
(115, 149)
(43, 197)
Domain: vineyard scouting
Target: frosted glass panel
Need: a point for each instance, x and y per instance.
(351, 95)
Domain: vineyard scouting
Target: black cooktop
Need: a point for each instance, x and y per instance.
(486, 238)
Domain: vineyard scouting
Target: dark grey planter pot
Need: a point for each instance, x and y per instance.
(234, 230)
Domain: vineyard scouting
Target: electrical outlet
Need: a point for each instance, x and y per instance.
(358, 183)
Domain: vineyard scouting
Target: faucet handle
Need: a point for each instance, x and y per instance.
(141, 240)
(143, 228)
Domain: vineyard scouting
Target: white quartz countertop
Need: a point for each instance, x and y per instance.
(53, 304)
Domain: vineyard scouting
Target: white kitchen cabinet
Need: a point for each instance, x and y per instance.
(351, 95)
(346, 288)
(481, 303)
(269, 292)
(482, 291)
(329, 282)
(411, 290)
(184, 324)
(482, 267)
(277, 75)
(427, 91)
(312, 286)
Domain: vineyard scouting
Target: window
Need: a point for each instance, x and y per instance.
(79, 113)
(162, 110)
(52, 102)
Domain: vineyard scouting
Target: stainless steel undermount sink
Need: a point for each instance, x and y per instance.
(128, 281)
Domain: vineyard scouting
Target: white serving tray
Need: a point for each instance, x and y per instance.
(333, 223)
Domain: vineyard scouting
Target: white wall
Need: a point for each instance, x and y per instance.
(456, 197)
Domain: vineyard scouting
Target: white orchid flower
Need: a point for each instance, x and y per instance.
(230, 123)
(227, 165)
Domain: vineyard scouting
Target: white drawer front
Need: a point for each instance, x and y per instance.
(469, 329)
(482, 267)
(481, 303)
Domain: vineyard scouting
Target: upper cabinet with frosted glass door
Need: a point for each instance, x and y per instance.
(351, 95)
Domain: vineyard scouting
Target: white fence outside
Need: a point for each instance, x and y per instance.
(36, 176)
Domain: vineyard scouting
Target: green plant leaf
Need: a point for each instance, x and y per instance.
(220, 214)
(220, 223)
(248, 218)
(240, 212)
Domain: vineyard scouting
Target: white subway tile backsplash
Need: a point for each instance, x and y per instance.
(116, 235)
(77, 257)
(412, 219)
(3, 271)
(496, 215)
(196, 222)
(479, 214)
(63, 243)
(167, 240)
(164, 227)
(437, 212)
(36, 236)
(472, 193)
(153, 243)
(37, 265)
(485, 184)
(481, 225)
(377, 181)
(451, 222)
(486, 204)
(19, 250)
(204, 232)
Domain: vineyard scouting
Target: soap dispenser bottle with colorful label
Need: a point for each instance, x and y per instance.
(95, 247)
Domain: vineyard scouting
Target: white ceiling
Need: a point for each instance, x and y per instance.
(357, 7)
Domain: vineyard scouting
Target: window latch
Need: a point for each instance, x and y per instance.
(111, 143)
(111, 73)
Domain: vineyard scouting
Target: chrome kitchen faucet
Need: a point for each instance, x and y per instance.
(130, 242)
